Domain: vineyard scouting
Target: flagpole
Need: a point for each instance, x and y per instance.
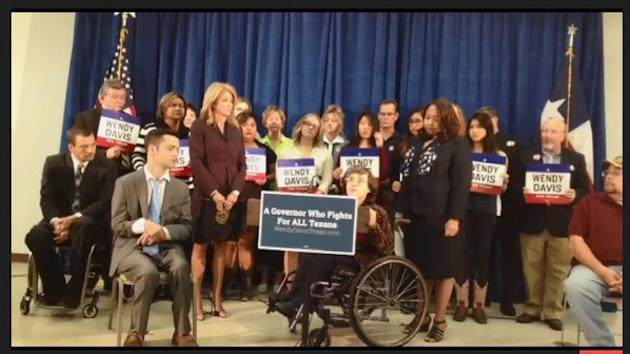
(572, 30)
(122, 39)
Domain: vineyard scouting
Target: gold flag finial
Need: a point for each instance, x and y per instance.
(125, 16)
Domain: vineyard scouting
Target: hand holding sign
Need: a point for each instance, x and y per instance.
(113, 152)
(337, 173)
(261, 181)
(396, 186)
(570, 194)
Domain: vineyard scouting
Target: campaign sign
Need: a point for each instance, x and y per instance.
(547, 183)
(295, 175)
(488, 173)
(118, 129)
(308, 223)
(256, 162)
(182, 168)
(368, 158)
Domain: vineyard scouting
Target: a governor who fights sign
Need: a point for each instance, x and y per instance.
(307, 223)
(488, 173)
(118, 129)
(368, 158)
(295, 175)
(547, 183)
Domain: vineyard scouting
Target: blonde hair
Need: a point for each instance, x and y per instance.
(166, 102)
(241, 99)
(297, 131)
(271, 109)
(338, 113)
(210, 99)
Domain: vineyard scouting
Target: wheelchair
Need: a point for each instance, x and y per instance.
(96, 265)
(379, 302)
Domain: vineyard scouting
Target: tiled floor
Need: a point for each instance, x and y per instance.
(248, 325)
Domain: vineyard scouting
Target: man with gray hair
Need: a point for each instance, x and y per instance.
(545, 229)
(113, 96)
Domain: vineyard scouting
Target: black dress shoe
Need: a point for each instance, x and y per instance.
(554, 324)
(508, 310)
(527, 318)
(287, 308)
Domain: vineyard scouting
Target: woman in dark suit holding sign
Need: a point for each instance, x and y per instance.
(434, 196)
(481, 218)
(217, 156)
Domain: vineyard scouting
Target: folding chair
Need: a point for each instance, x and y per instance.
(118, 285)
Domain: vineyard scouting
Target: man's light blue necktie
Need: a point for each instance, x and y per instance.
(154, 214)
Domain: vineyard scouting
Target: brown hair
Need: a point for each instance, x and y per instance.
(113, 84)
(271, 109)
(447, 118)
(240, 99)
(363, 171)
(77, 131)
(166, 102)
(461, 117)
(389, 101)
(297, 130)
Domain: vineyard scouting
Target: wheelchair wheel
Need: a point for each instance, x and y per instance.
(90, 311)
(387, 294)
(25, 307)
(315, 341)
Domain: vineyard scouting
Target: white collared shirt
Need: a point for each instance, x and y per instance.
(138, 226)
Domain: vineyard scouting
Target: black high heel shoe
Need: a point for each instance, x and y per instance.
(247, 294)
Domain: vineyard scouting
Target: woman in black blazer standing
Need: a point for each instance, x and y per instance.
(434, 196)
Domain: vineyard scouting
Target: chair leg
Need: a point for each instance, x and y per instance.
(112, 303)
(119, 313)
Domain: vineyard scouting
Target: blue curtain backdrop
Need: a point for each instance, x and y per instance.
(304, 61)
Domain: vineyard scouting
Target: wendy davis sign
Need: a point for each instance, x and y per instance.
(368, 158)
(118, 129)
(547, 183)
(182, 168)
(487, 173)
(307, 223)
(295, 175)
(256, 164)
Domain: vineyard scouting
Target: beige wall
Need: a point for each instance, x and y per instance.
(41, 44)
(613, 82)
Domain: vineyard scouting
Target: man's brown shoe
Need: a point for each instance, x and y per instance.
(185, 340)
(554, 324)
(133, 340)
(527, 318)
(460, 313)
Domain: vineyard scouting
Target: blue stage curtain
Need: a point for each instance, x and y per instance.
(303, 62)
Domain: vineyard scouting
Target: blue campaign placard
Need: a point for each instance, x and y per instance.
(308, 223)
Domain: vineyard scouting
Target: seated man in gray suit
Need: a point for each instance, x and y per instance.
(150, 219)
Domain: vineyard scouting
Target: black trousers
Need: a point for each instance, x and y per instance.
(84, 233)
(477, 241)
(507, 245)
(317, 267)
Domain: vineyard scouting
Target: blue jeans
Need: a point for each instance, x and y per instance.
(584, 291)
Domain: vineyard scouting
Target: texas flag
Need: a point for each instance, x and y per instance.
(580, 132)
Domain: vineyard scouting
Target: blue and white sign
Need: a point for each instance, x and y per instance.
(308, 223)
(368, 158)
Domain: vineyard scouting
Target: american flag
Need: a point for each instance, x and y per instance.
(125, 77)
(580, 132)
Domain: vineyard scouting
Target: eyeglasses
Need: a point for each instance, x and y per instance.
(311, 125)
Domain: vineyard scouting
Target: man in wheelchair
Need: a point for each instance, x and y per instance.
(377, 243)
